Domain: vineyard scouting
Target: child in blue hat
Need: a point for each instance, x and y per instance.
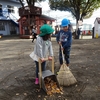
(64, 39)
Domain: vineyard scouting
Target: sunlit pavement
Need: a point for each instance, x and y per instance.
(86, 37)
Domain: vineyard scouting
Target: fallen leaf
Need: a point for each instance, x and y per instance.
(61, 92)
(25, 94)
(38, 90)
(59, 96)
(17, 93)
(39, 96)
(86, 68)
(44, 98)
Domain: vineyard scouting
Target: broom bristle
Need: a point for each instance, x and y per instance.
(65, 76)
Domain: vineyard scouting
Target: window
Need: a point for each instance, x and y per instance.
(0, 10)
(10, 9)
(2, 26)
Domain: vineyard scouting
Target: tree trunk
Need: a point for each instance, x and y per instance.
(21, 3)
(77, 26)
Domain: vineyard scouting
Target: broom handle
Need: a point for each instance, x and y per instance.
(62, 54)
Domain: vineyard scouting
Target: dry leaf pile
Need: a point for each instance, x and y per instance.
(52, 87)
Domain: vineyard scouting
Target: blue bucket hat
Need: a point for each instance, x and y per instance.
(64, 22)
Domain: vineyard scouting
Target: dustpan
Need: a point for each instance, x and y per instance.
(47, 74)
(65, 76)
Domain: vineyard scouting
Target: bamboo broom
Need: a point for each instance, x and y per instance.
(65, 76)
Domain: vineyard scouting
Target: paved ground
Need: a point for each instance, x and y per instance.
(17, 71)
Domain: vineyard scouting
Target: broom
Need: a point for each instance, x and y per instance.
(65, 76)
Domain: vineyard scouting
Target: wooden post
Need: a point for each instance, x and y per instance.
(53, 65)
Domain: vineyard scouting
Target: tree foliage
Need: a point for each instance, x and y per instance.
(79, 8)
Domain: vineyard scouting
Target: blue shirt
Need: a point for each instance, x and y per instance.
(65, 37)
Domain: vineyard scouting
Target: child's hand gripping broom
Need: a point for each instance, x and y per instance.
(65, 76)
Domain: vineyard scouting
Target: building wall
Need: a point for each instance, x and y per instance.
(3, 27)
(99, 30)
(13, 16)
(8, 28)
